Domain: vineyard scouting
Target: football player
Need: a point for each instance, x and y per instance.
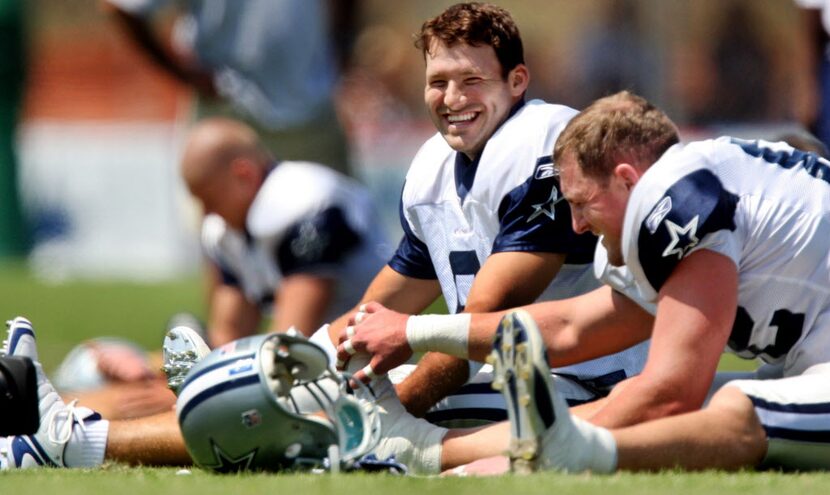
(295, 240)
(729, 238)
(484, 221)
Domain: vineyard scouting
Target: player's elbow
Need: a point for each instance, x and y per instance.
(673, 397)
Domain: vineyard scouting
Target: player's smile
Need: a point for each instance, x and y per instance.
(467, 94)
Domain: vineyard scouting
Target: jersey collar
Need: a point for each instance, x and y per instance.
(465, 169)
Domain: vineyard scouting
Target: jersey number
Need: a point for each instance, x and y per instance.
(464, 266)
(789, 328)
(811, 162)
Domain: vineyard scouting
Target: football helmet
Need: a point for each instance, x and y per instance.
(272, 403)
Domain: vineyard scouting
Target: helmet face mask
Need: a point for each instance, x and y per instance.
(273, 403)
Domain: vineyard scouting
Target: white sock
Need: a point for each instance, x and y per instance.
(87, 446)
(601, 448)
(575, 445)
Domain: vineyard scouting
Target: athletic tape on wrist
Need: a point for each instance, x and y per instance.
(442, 333)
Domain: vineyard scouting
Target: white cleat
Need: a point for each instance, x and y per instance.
(183, 347)
(58, 421)
(522, 374)
(20, 339)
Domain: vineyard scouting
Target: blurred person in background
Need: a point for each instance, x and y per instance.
(292, 240)
(273, 64)
(815, 19)
(14, 239)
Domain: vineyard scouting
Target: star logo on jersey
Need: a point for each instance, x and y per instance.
(547, 208)
(682, 238)
(228, 464)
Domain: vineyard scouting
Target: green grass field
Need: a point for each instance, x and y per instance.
(67, 313)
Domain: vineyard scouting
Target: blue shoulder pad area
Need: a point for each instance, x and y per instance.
(695, 206)
(535, 217)
(322, 240)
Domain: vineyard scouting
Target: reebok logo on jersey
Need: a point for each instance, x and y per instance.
(660, 211)
(545, 171)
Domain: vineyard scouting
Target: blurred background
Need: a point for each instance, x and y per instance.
(100, 237)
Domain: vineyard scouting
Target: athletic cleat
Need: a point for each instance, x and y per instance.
(58, 421)
(20, 339)
(522, 374)
(183, 347)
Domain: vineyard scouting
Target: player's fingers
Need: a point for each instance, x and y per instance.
(344, 352)
(349, 332)
(369, 371)
(359, 316)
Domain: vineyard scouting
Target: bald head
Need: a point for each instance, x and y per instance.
(224, 166)
(214, 144)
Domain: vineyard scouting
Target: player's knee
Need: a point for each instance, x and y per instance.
(737, 416)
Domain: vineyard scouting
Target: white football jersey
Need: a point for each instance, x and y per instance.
(456, 213)
(764, 205)
(305, 219)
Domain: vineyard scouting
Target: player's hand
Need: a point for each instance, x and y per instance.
(120, 363)
(378, 332)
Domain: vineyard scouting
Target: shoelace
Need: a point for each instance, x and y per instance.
(64, 433)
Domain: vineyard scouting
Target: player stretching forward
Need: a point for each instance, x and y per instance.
(729, 238)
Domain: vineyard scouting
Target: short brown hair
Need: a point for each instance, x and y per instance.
(619, 128)
(475, 24)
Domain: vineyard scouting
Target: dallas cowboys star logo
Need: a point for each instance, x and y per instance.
(547, 208)
(682, 238)
(228, 464)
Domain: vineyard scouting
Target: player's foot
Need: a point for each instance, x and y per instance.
(60, 423)
(183, 347)
(522, 374)
(544, 435)
(20, 339)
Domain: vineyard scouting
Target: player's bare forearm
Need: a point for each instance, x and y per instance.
(302, 301)
(695, 312)
(436, 376)
(395, 291)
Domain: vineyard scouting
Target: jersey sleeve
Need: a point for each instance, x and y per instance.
(695, 213)
(535, 217)
(317, 243)
(412, 256)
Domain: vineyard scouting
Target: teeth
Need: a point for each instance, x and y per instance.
(464, 117)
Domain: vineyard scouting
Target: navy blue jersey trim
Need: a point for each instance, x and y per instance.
(465, 174)
(812, 436)
(467, 413)
(465, 169)
(535, 217)
(321, 241)
(693, 207)
(476, 388)
(818, 408)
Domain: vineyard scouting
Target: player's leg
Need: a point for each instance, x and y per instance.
(69, 436)
(152, 440)
(725, 435)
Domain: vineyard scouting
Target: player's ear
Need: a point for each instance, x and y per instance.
(627, 174)
(518, 79)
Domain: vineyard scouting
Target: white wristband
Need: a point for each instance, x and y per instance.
(441, 333)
